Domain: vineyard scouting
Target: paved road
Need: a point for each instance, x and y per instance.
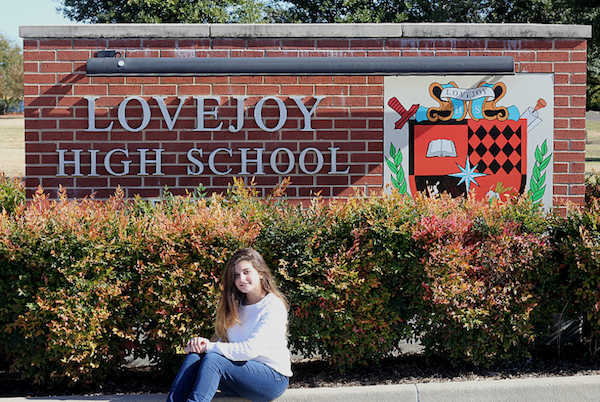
(592, 116)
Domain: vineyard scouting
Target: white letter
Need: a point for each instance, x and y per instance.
(258, 160)
(201, 113)
(125, 163)
(145, 114)
(211, 161)
(62, 162)
(319, 160)
(195, 161)
(144, 161)
(240, 114)
(306, 113)
(93, 162)
(334, 163)
(258, 114)
(291, 161)
(92, 115)
(163, 108)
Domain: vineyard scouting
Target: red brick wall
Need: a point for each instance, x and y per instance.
(349, 118)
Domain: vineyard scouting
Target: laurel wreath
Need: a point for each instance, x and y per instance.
(395, 165)
(537, 184)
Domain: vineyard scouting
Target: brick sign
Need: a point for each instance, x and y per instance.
(91, 134)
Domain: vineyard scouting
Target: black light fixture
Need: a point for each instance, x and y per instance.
(108, 64)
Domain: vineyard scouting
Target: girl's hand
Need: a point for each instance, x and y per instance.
(196, 345)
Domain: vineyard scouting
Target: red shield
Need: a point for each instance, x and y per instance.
(485, 156)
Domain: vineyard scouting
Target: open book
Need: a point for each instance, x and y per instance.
(441, 148)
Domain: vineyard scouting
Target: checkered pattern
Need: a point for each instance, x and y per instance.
(495, 148)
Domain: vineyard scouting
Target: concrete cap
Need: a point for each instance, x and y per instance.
(547, 389)
(291, 31)
(95, 31)
(464, 30)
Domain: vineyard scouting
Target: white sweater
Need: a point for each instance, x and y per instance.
(261, 336)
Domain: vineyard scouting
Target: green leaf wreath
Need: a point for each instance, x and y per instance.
(395, 165)
(537, 185)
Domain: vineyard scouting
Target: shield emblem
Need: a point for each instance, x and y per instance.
(458, 157)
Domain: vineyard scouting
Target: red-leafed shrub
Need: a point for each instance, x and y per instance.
(482, 263)
(12, 193)
(344, 266)
(576, 242)
(63, 288)
(83, 283)
(185, 246)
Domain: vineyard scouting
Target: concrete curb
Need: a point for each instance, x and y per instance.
(547, 389)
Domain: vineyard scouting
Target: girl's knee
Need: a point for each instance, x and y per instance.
(214, 362)
(191, 360)
(213, 359)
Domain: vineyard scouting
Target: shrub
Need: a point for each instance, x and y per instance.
(85, 282)
(184, 246)
(346, 291)
(576, 240)
(63, 291)
(481, 264)
(12, 193)
(592, 188)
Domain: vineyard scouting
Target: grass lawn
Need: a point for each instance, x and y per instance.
(592, 147)
(12, 145)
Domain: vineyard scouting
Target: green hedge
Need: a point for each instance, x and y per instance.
(85, 282)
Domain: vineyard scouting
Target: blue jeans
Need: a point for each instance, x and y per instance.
(201, 375)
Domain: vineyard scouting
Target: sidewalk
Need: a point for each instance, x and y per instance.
(547, 389)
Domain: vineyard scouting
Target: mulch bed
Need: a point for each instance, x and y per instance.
(403, 369)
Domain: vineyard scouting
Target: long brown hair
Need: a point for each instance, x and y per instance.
(227, 312)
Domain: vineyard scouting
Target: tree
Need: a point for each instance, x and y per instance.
(11, 75)
(579, 12)
(447, 11)
(163, 11)
(314, 11)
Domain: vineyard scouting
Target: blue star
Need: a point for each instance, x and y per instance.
(467, 174)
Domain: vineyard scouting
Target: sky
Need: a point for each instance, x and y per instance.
(28, 12)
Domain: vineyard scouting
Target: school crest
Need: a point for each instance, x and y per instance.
(464, 140)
